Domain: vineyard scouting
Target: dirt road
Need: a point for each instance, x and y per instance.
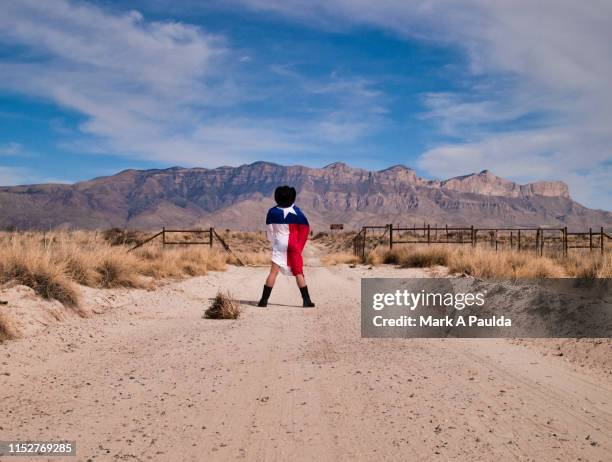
(152, 380)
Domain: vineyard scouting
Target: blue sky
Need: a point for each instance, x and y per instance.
(448, 88)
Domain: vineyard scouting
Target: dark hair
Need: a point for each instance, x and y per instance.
(284, 196)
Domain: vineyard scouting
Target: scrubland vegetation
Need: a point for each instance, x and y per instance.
(488, 264)
(55, 263)
(482, 262)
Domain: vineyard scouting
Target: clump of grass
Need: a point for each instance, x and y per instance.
(589, 265)
(425, 257)
(410, 257)
(376, 256)
(224, 306)
(116, 268)
(36, 269)
(338, 258)
(180, 262)
(488, 264)
(79, 262)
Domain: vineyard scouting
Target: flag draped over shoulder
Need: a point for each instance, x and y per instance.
(287, 230)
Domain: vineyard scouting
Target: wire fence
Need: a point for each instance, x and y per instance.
(540, 240)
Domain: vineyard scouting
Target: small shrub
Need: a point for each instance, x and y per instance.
(223, 307)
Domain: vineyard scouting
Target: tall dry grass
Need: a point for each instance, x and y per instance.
(338, 258)
(53, 264)
(589, 265)
(37, 268)
(488, 264)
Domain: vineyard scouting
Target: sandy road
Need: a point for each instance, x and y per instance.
(154, 381)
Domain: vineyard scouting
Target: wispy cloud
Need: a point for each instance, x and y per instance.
(156, 90)
(537, 101)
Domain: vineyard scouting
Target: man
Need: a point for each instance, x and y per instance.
(287, 230)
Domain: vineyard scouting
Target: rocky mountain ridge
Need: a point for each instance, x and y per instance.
(237, 197)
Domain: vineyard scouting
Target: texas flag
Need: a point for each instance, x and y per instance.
(288, 232)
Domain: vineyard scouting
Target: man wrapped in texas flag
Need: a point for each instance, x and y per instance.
(287, 230)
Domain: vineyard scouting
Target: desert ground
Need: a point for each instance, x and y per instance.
(150, 379)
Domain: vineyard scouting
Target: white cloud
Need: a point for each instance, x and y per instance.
(153, 89)
(546, 62)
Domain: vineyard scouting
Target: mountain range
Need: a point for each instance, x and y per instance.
(238, 198)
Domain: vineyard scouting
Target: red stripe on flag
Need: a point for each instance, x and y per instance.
(298, 235)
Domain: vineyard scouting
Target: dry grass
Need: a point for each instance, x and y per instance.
(336, 242)
(589, 265)
(117, 269)
(339, 258)
(251, 258)
(415, 257)
(54, 263)
(160, 263)
(488, 264)
(36, 268)
(224, 306)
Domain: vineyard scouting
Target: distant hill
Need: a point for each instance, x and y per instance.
(238, 197)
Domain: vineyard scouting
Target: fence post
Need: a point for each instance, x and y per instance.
(511, 240)
(565, 243)
(601, 240)
(518, 238)
(590, 239)
(164, 236)
(428, 234)
(210, 233)
(472, 236)
(365, 230)
(390, 226)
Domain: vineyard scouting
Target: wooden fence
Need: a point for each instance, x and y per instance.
(203, 237)
(539, 240)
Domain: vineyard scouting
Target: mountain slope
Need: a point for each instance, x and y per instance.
(237, 197)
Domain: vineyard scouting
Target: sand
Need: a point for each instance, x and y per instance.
(149, 379)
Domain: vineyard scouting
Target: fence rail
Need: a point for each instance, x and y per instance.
(521, 239)
(206, 236)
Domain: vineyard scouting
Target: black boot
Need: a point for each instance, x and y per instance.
(306, 298)
(265, 296)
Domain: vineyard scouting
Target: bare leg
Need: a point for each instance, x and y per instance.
(301, 282)
(274, 269)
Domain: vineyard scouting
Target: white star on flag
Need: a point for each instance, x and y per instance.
(287, 211)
